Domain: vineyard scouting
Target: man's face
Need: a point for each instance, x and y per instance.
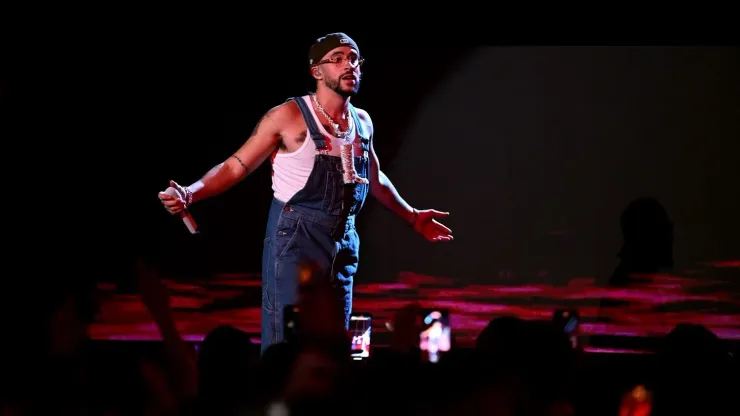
(341, 71)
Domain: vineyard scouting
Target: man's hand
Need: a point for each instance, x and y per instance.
(171, 203)
(425, 224)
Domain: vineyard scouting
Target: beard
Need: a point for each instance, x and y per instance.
(336, 86)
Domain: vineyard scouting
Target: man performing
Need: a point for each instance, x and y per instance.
(323, 166)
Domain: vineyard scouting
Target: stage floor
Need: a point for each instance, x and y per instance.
(647, 309)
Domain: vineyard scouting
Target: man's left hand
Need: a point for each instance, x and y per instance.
(434, 231)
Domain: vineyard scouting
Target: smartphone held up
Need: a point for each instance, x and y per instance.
(435, 337)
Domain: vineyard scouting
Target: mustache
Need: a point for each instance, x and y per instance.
(351, 74)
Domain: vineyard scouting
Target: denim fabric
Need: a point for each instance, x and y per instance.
(317, 225)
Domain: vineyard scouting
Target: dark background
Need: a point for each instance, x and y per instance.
(532, 149)
(535, 151)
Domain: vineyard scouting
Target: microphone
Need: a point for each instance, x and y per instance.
(184, 214)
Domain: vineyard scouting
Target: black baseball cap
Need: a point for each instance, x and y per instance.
(326, 43)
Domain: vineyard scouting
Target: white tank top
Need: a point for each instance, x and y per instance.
(290, 171)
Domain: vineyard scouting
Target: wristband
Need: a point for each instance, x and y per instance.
(188, 197)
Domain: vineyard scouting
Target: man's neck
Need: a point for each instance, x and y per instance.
(334, 104)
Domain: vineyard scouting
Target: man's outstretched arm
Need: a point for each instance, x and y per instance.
(264, 139)
(382, 189)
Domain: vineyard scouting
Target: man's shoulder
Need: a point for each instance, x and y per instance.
(364, 117)
(285, 112)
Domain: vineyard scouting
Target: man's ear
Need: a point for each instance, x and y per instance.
(316, 72)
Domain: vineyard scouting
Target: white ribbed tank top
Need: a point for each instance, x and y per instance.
(290, 171)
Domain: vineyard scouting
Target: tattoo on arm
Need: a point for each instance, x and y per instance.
(240, 162)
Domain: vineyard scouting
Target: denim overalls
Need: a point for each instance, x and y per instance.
(316, 225)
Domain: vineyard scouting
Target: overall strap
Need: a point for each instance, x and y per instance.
(313, 129)
(364, 140)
